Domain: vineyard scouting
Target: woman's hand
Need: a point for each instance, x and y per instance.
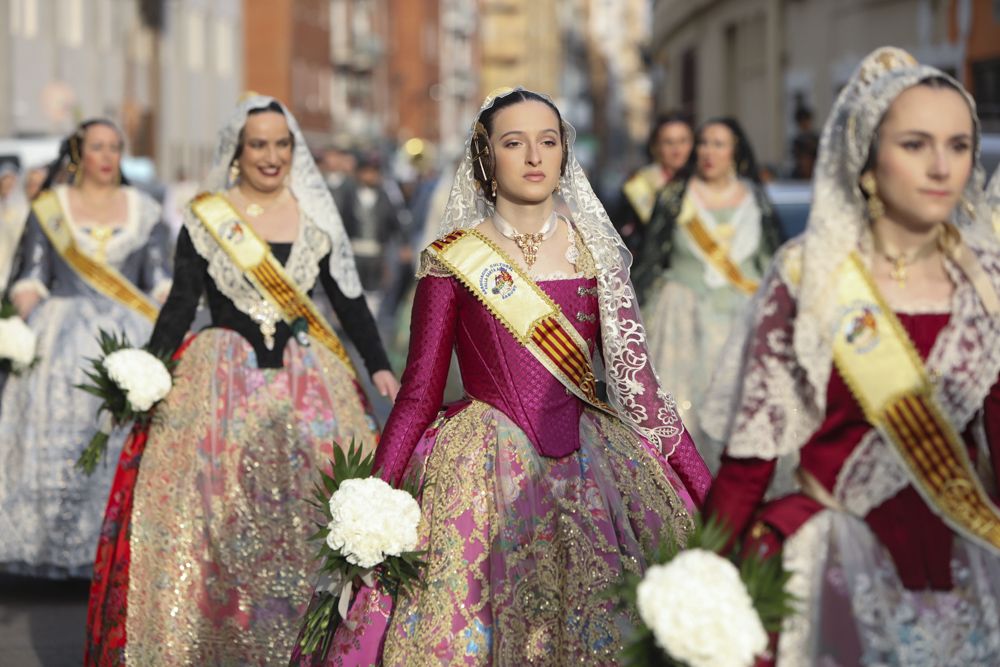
(25, 300)
(386, 384)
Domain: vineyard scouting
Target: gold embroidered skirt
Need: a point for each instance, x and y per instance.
(221, 564)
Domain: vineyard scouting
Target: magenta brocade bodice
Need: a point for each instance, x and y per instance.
(496, 369)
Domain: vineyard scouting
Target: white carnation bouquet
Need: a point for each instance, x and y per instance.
(18, 342)
(699, 609)
(129, 381)
(370, 535)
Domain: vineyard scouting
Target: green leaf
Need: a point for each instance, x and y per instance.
(96, 450)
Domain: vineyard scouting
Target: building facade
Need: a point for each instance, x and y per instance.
(758, 60)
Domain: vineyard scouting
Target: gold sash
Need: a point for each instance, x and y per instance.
(641, 191)
(103, 278)
(253, 257)
(713, 251)
(877, 359)
(527, 312)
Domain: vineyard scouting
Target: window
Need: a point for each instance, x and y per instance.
(196, 40)
(72, 22)
(223, 48)
(986, 88)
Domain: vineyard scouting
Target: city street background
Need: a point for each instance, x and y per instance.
(396, 83)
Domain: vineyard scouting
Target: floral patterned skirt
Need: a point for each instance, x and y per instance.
(521, 547)
(205, 557)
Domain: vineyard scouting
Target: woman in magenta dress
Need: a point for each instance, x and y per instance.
(871, 359)
(538, 495)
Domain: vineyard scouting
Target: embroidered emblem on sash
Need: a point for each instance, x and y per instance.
(497, 279)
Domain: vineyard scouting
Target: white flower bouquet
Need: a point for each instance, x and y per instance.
(699, 609)
(17, 342)
(370, 535)
(130, 381)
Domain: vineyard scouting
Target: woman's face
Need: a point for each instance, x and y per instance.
(526, 142)
(101, 154)
(267, 151)
(673, 145)
(924, 155)
(715, 150)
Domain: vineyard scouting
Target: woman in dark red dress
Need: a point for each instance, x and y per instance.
(871, 360)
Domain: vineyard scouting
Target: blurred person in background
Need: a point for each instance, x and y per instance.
(670, 142)
(709, 242)
(14, 209)
(338, 164)
(94, 256)
(219, 506)
(870, 358)
(805, 144)
(374, 225)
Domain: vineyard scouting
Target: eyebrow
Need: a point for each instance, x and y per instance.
(928, 135)
(548, 129)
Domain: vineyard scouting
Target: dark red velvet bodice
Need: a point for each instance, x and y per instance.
(919, 542)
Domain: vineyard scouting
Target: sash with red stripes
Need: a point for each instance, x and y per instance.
(523, 308)
(252, 256)
(877, 359)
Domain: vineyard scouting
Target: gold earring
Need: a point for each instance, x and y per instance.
(234, 172)
(876, 209)
(493, 184)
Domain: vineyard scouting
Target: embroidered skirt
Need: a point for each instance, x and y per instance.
(521, 548)
(205, 557)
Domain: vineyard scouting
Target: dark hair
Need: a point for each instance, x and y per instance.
(663, 120)
(937, 82)
(272, 107)
(71, 152)
(803, 113)
(743, 156)
(480, 149)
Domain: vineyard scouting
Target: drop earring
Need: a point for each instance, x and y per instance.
(876, 209)
(234, 172)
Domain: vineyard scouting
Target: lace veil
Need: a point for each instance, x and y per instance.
(633, 388)
(305, 182)
(993, 198)
(799, 359)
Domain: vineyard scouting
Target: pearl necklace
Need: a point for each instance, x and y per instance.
(528, 243)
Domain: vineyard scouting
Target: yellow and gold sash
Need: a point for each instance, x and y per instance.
(253, 257)
(878, 361)
(527, 312)
(713, 251)
(641, 191)
(102, 277)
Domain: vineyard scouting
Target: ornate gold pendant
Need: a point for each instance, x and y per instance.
(528, 243)
(266, 318)
(254, 210)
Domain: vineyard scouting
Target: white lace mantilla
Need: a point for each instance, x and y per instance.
(303, 264)
(633, 388)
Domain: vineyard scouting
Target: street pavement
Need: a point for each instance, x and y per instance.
(42, 623)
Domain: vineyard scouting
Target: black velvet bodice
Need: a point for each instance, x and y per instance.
(191, 280)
